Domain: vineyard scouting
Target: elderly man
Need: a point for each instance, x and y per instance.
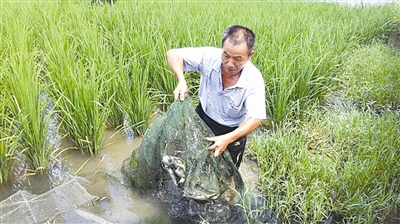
(231, 91)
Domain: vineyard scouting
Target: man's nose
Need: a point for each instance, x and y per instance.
(230, 63)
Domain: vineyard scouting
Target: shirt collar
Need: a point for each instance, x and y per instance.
(217, 65)
(243, 77)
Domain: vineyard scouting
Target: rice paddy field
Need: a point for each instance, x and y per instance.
(330, 150)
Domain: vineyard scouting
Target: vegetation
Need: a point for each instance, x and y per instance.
(7, 137)
(331, 165)
(27, 105)
(331, 148)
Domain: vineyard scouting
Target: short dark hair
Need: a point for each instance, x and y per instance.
(238, 34)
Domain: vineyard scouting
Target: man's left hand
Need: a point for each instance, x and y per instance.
(220, 144)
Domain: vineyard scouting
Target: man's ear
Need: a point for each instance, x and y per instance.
(251, 54)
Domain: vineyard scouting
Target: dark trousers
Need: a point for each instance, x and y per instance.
(236, 148)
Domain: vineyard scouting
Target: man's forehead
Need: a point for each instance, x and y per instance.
(234, 55)
(235, 50)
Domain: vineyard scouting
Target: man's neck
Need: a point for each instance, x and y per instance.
(229, 80)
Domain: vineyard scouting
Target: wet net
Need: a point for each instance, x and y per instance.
(174, 149)
(24, 207)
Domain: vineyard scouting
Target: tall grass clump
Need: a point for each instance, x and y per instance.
(130, 84)
(368, 186)
(332, 166)
(371, 76)
(136, 104)
(74, 59)
(83, 114)
(28, 108)
(294, 180)
(301, 51)
(8, 137)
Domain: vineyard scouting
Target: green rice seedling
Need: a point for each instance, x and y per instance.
(130, 84)
(106, 75)
(367, 186)
(8, 140)
(295, 180)
(135, 102)
(152, 49)
(149, 36)
(83, 115)
(78, 79)
(112, 63)
(113, 92)
(371, 76)
(28, 108)
(304, 50)
(331, 164)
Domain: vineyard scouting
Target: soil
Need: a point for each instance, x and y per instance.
(395, 41)
(394, 216)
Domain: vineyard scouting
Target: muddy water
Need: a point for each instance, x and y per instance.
(118, 203)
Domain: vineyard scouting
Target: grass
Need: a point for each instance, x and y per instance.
(8, 140)
(331, 164)
(22, 79)
(78, 81)
(371, 76)
(103, 65)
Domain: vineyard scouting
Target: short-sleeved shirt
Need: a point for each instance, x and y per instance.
(233, 105)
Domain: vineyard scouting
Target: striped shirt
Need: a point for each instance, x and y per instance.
(233, 105)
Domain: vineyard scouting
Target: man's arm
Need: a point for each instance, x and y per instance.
(175, 62)
(222, 141)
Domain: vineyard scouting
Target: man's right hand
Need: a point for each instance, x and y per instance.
(175, 62)
(180, 91)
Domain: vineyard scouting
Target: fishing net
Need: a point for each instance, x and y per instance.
(174, 149)
(24, 207)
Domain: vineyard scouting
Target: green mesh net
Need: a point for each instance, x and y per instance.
(174, 147)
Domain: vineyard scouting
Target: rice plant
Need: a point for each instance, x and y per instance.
(79, 81)
(22, 79)
(8, 138)
(293, 178)
(136, 104)
(331, 164)
(371, 76)
(370, 174)
(304, 50)
(131, 100)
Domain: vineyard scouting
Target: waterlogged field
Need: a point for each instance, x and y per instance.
(330, 151)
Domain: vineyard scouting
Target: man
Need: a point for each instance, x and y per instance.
(231, 91)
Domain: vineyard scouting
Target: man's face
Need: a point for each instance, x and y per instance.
(234, 57)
